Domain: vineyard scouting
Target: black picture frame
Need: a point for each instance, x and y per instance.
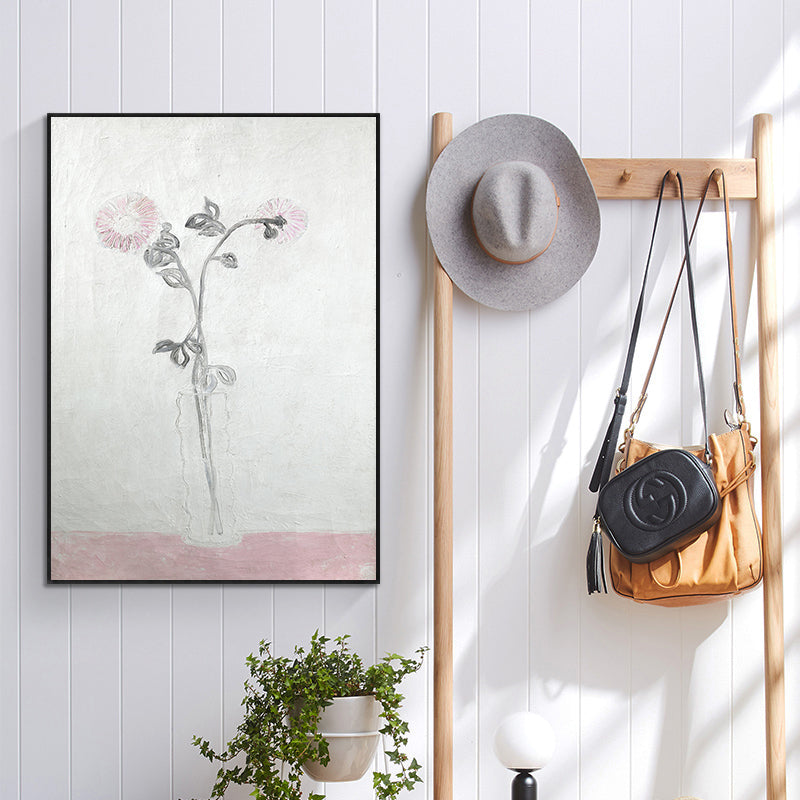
(101, 407)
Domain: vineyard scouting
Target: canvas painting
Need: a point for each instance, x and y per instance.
(213, 385)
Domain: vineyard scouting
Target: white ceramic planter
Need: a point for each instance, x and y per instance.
(350, 726)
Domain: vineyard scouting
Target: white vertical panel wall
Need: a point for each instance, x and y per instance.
(102, 687)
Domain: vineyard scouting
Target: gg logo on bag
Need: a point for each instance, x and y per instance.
(655, 500)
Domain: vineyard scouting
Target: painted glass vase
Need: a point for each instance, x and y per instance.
(208, 467)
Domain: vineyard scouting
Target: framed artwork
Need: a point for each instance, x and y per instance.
(213, 356)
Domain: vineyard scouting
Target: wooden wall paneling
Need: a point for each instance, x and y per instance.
(404, 601)
(656, 754)
(196, 685)
(196, 56)
(9, 412)
(146, 621)
(298, 43)
(95, 613)
(454, 87)
(146, 57)
(757, 86)
(605, 622)
(95, 691)
(94, 34)
(44, 610)
(504, 58)
(147, 691)
(504, 468)
(197, 641)
(790, 217)
(349, 55)
(556, 531)
(247, 56)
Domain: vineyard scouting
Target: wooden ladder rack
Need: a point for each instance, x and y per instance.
(630, 178)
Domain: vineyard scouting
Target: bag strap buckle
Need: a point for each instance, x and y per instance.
(734, 419)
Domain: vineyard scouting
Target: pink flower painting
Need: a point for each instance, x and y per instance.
(126, 222)
(296, 220)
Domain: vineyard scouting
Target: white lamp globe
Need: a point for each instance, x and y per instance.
(524, 741)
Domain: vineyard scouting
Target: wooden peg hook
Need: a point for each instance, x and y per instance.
(626, 176)
(718, 177)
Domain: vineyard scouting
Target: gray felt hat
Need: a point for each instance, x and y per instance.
(512, 213)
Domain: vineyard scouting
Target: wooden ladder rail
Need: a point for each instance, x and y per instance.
(628, 178)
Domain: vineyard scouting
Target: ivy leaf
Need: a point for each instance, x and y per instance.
(193, 345)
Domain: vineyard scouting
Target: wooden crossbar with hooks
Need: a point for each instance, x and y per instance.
(629, 178)
(640, 178)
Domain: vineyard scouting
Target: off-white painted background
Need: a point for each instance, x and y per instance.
(102, 687)
(296, 321)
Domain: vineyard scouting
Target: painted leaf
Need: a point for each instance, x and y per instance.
(226, 374)
(157, 259)
(180, 356)
(164, 346)
(196, 221)
(228, 260)
(205, 225)
(174, 278)
(193, 345)
(167, 240)
(212, 209)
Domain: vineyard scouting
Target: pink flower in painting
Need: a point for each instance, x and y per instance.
(127, 222)
(296, 220)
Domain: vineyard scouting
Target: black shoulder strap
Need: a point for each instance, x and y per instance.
(602, 470)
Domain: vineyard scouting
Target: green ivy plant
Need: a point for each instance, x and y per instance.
(283, 700)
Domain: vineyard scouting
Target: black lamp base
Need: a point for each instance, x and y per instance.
(523, 787)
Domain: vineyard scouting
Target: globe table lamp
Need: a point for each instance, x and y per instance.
(524, 742)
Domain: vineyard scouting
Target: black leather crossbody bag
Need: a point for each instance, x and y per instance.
(669, 498)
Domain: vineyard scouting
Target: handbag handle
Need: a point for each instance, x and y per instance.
(678, 574)
(737, 385)
(602, 470)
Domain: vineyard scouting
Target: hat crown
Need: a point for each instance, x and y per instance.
(514, 211)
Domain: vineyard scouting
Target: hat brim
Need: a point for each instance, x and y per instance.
(512, 287)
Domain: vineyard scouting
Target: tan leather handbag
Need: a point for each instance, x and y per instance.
(726, 559)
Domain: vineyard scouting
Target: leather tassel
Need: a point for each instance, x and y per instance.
(595, 562)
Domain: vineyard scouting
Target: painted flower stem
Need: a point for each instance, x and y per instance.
(200, 376)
